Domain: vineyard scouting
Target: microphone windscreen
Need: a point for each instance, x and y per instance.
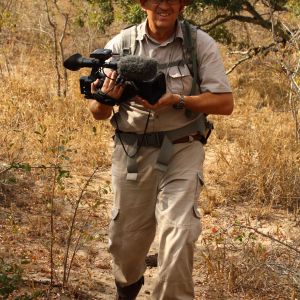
(137, 68)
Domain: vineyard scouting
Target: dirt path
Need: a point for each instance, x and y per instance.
(24, 240)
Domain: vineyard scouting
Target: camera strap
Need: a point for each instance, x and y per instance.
(105, 99)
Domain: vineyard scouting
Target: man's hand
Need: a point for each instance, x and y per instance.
(101, 111)
(208, 103)
(109, 87)
(167, 99)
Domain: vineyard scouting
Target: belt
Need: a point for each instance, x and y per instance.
(155, 139)
(188, 138)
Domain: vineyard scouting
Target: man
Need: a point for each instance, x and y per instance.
(157, 185)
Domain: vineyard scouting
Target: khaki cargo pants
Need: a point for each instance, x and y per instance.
(163, 200)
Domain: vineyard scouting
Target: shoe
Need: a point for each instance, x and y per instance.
(129, 292)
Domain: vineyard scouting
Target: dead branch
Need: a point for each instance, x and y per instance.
(243, 19)
(67, 272)
(216, 18)
(268, 236)
(66, 16)
(52, 236)
(55, 43)
(250, 53)
(238, 63)
(251, 16)
(5, 170)
(274, 6)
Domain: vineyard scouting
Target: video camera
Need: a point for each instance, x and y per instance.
(139, 75)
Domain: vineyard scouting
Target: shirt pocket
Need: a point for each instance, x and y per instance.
(179, 80)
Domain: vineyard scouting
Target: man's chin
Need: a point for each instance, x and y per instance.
(165, 24)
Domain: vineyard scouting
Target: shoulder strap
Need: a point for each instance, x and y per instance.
(189, 51)
(190, 55)
(128, 36)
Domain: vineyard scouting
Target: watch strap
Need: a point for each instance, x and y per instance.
(181, 103)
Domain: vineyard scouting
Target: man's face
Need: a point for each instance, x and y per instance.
(162, 13)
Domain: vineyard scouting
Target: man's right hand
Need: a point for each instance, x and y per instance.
(109, 87)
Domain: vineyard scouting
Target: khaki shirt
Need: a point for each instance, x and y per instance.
(132, 117)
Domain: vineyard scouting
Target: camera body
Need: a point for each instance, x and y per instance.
(85, 85)
(99, 56)
(150, 90)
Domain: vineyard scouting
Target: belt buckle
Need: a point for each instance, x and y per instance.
(190, 138)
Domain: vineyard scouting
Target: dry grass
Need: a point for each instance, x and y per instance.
(257, 154)
(238, 264)
(33, 122)
(262, 165)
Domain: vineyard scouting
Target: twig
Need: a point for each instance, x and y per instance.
(6, 170)
(238, 63)
(52, 223)
(268, 236)
(66, 16)
(66, 273)
(250, 53)
(54, 29)
(218, 17)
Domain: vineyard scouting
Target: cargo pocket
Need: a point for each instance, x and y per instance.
(199, 185)
(179, 80)
(196, 211)
(114, 241)
(115, 213)
(196, 228)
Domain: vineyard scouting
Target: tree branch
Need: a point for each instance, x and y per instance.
(66, 272)
(254, 18)
(238, 63)
(54, 29)
(250, 53)
(274, 6)
(66, 16)
(269, 236)
(251, 10)
(213, 20)
(246, 19)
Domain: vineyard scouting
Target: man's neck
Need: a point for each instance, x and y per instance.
(160, 34)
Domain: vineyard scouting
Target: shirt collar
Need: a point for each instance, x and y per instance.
(142, 32)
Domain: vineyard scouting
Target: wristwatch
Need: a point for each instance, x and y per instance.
(180, 104)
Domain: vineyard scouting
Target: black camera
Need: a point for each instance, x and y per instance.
(139, 76)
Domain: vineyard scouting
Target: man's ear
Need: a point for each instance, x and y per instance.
(182, 4)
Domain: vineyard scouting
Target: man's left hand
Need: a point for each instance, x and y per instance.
(167, 99)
